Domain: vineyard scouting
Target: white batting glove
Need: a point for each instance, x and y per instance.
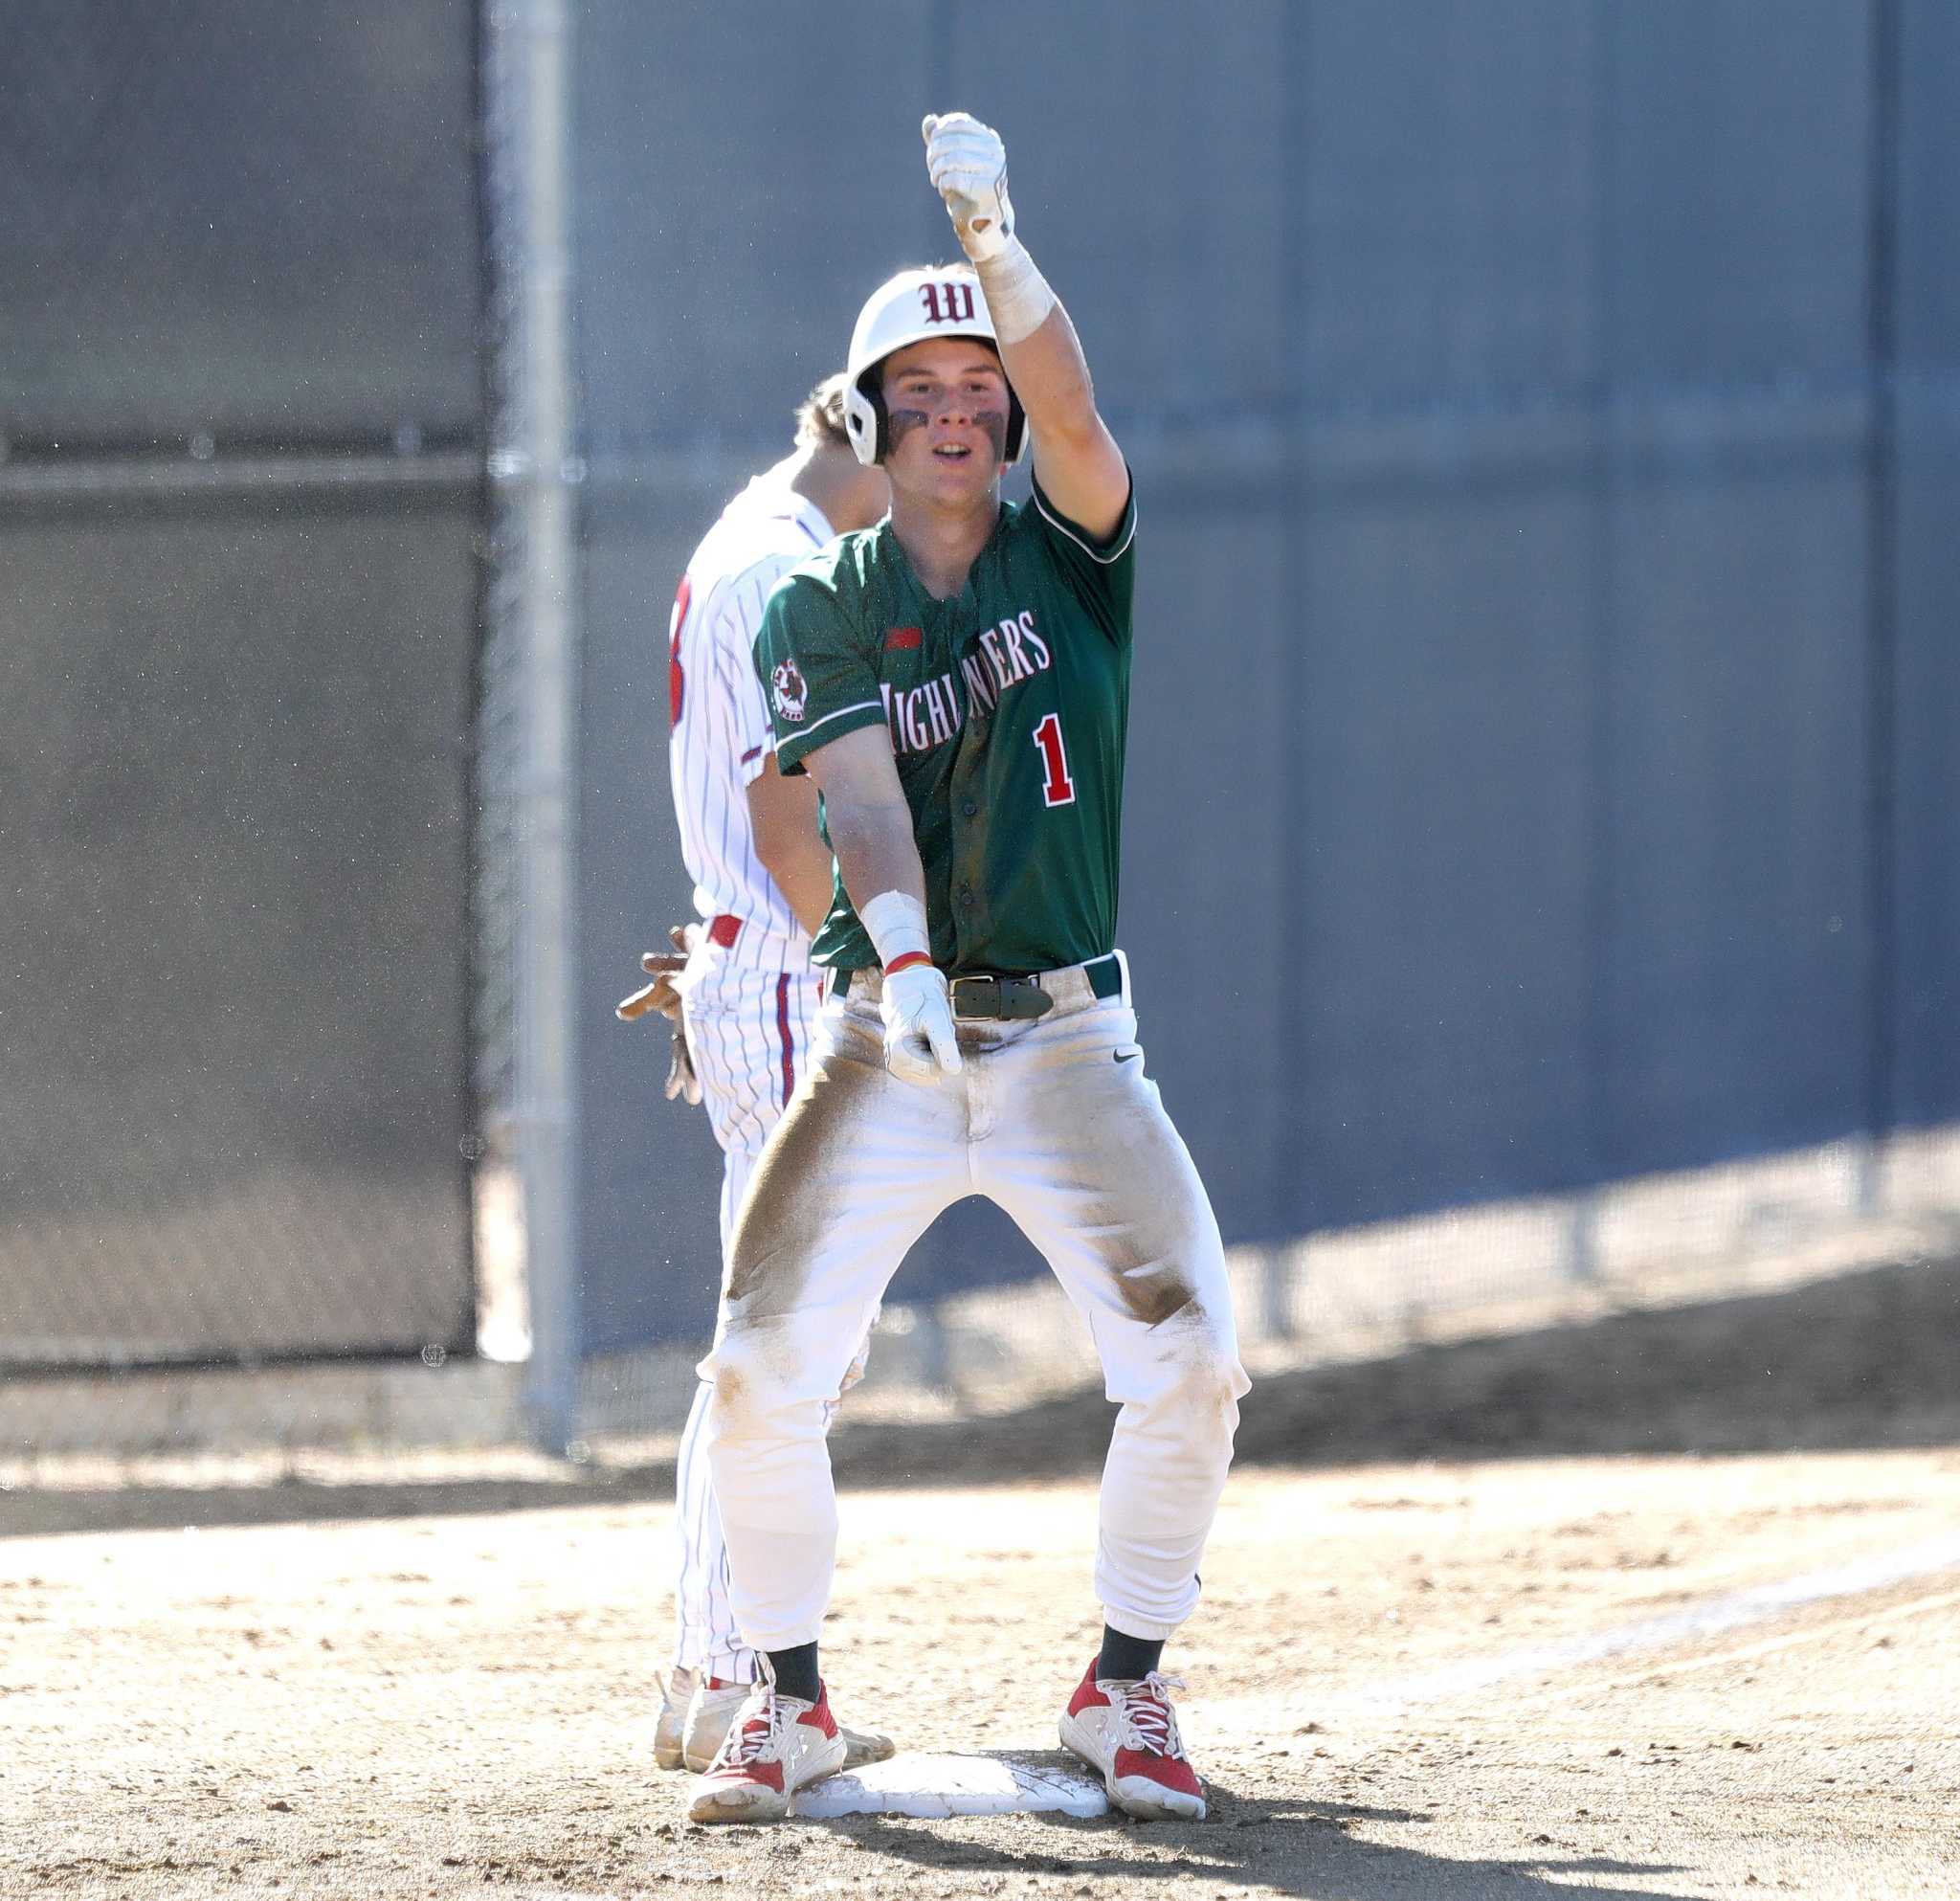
(919, 1041)
(967, 162)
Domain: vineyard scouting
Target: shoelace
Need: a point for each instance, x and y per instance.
(748, 1744)
(1148, 1721)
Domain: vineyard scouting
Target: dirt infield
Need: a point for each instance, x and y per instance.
(1420, 1669)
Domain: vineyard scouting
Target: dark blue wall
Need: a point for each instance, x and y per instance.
(1924, 583)
(1547, 427)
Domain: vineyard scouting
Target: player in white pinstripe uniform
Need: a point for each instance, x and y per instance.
(746, 992)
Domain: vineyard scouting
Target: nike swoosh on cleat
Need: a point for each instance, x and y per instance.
(1128, 1055)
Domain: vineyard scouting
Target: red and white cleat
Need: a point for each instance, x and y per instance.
(704, 1726)
(776, 1746)
(1129, 1731)
(714, 1707)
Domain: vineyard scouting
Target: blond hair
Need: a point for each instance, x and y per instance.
(820, 417)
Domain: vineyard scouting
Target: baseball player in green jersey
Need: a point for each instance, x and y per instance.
(956, 680)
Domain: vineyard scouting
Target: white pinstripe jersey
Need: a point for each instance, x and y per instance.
(720, 726)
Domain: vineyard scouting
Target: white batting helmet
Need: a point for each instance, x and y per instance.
(943, 301)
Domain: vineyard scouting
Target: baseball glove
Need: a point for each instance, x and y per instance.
(661, 997)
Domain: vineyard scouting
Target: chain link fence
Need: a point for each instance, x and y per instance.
(240, 506)
(229, 223)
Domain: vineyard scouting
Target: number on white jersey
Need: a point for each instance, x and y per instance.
(677, 680)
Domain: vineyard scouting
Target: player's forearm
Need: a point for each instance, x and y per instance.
(875, 849)
(802, 869)
(782, 813)
(870, 826)
(1076, 458)
(1047, 367)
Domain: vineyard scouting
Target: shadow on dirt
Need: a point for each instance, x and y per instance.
(1287, 1846)
(1862, 1361)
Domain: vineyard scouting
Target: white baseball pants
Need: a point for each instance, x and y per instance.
(749, 1032)
(1055, 1120)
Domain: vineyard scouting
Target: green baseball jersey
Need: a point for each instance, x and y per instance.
(1008, 708)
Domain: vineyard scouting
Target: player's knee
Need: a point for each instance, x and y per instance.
(731, 1405)
(1210, 1383)
(741, 1392)
(1195, 1399)
(1219, 1386)
(755, 1395)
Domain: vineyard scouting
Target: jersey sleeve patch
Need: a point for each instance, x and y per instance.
(815, 669)
(1101, 574)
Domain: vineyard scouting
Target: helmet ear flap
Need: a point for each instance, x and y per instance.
(881, 426)
(864, 418)
(1017, 428)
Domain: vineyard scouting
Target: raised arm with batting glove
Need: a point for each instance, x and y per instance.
(1076, 462)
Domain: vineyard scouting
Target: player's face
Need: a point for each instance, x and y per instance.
(945, 407)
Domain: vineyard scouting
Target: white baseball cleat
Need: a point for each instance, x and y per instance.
(671, 1728)
(707, 1717)
(1129, 1731)
(776, 1746)
(714, 1707)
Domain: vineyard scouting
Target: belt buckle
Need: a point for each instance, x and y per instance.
(984, 993)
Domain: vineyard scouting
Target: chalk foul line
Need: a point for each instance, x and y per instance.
(1710, 1617)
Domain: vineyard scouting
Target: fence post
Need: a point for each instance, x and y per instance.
(1882, 573)
(535, 464)
(1276, 1290)
(1581, 1252)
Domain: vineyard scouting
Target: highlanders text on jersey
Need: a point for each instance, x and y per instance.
(720, 738)
(1007, 708)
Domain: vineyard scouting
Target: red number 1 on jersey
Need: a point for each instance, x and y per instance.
(1058, 789)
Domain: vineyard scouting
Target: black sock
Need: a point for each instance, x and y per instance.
(796, 1673)
(1129, 1658)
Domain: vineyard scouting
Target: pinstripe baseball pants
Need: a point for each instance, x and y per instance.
(749, 1032)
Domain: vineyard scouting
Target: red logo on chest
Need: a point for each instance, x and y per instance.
(904, 638)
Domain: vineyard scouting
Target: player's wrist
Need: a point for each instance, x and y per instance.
(983, 243)
(1018, 296)
(894, 922)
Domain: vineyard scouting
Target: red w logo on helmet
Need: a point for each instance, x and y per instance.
(948, 302)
